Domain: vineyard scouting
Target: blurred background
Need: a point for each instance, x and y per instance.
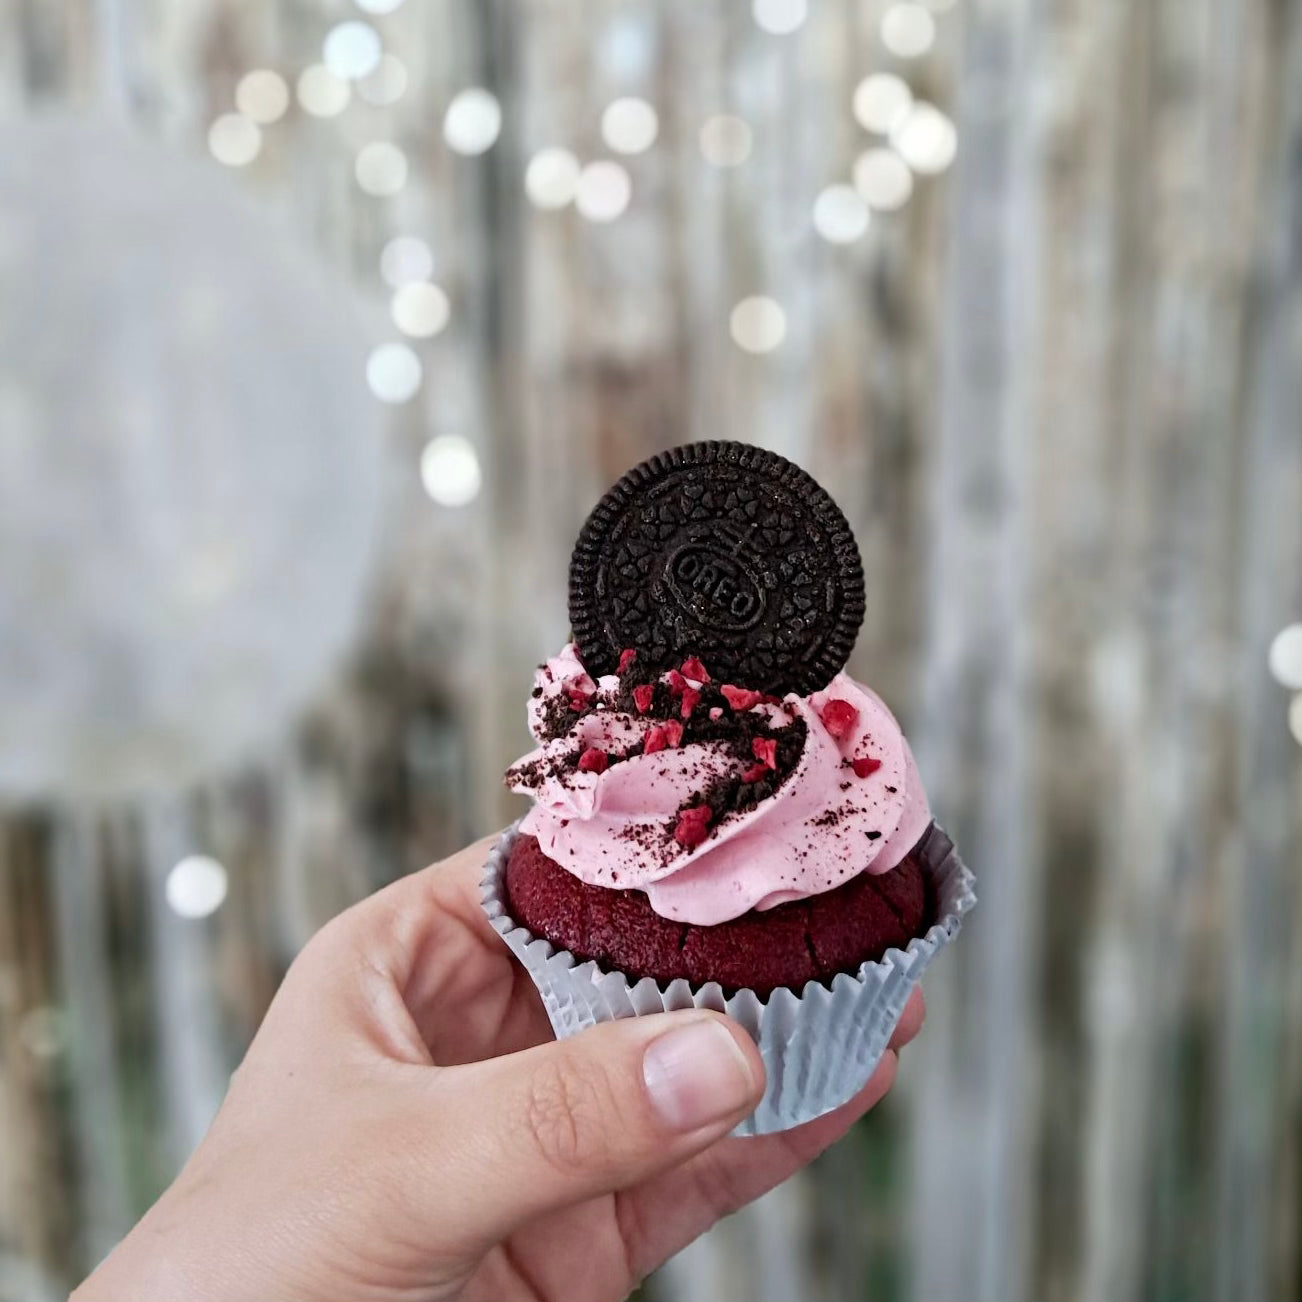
(323, 323)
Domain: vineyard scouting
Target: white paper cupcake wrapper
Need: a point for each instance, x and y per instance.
(820, 1047)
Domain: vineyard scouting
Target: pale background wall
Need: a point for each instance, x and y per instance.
(1057, 394)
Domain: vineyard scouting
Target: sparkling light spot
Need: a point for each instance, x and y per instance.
(404, 259)
(196, 887)
(551, 178)
(381, 168)
(881, 101)
(321, 93)
(393, 373)
(449, 469)
(840, 215)
(603, 191)
(883, 179)
(352, 50)
(758, 325)
(1286, 657)
(262, 96)
(726, 140)
(234, 140)
(925, 138)
(629, 126)
(387, 84)
(780, 17)
(473, 121)
(420, 310)
(1295, 718)
(908, 30)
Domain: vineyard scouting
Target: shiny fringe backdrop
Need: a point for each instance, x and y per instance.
(324, 324)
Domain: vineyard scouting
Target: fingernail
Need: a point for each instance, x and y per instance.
(696, 1075)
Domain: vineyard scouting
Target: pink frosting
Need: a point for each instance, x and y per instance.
(822, 826)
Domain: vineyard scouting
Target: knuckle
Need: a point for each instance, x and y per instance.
(564, 1108)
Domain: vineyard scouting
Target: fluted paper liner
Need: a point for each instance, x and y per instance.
(820, 1046)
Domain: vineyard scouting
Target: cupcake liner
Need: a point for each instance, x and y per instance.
(819, 1047)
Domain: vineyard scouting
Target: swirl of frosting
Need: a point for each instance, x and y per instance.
(612, 824)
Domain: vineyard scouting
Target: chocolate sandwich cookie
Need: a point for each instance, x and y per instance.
(724, 551)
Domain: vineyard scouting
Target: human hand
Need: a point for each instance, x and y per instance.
(404, 1128)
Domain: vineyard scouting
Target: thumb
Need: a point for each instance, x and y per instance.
(516, 1136)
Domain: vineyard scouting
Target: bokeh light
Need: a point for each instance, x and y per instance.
(1295, 718)
(420, 309)
(925, 139)
(449, 469)
(840, 214)
(551, 178)
(908, 30)
(780, 17)
(603, 191)
(393, 373)
(758, 324)
(473, 121)
(406, 258)
(352, 50)
(726, 140)
(1286, 657)
(262, 96)
(379, 6)
(196, 886)
(234, 139)
(321, 93)
(883, 179)
(880, 102)
(381, 168)
(629, 125)
(386, 85)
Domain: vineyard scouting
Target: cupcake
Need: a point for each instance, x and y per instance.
(722, 817)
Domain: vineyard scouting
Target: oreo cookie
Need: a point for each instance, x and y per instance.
(724, 551)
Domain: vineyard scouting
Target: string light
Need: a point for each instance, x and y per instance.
(780, 17)
(840, 215)
(473, 121)
(404, 259)
(234, 139)
(420, 309)
(925, 139)
(352, 50)
(603, 191)
(393, 373)
(321, 93)
(551, 178)
(262, 96)
(196, 887)
(1285, 657)
(725, 140)
(908, 30)
(449, 469)
(758, 324)
(386, 85)
(381, 169)
(881, 101)
(629, 126)
(883, 179)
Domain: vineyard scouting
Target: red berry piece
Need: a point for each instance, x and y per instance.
(655, 739)
(643, 696)
(765, 749)
(864, 768)
(690, 697)
(579, 701)
(593, 760)
(693, 826)
(626, 659)
(716, 712)
(673, 732)
(755, 772)
(695, 670)
(677, 683)
(840, 718)
(741, 698)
